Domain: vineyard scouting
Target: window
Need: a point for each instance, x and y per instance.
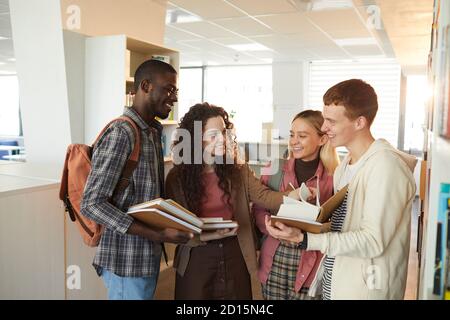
(9, 106)
(191, 89)
(383, 76)
(245, 92)
(417, 94)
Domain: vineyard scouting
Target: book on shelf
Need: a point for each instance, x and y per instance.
(160, 213)
(441, 283)
(306, 216)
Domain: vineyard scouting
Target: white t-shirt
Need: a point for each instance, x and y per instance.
(349, 172)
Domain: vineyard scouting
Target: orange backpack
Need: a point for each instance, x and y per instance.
(77, 167)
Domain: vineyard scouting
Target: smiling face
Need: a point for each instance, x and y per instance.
(340, 129)
(163, 94)
(304, 140)
(214, 137)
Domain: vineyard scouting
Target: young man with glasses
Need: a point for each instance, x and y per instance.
(129, 253)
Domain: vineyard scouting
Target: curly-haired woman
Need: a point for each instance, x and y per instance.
(218, 185)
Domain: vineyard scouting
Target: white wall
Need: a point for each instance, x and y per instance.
(289, 81)
(39, 51)
(74, 50)
(104, 100)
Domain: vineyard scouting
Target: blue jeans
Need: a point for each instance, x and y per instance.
(129, 288)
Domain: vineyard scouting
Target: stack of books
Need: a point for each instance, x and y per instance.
(211, 224)
(162, 214)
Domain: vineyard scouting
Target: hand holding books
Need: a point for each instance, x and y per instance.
(218, 234)
(282, 232)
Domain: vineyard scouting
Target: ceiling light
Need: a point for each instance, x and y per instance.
(180, 16)
(11, 59)
(355, 41)
(317, 5)
(3, 38)
(248, 47)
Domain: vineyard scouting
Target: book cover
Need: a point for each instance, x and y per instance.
(161, 220)
(171, 207)
(441, 256)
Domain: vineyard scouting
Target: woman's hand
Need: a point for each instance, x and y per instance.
(218, 234)
(313, 195)
(295, 194)
(283, 232)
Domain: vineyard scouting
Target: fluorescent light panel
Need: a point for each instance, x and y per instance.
(355, 41)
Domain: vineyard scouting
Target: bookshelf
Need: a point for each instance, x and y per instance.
(437, 157)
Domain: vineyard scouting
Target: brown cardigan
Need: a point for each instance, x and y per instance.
(245, 188)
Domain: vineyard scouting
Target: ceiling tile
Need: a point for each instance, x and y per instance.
(209, 9)
(310, 40)
(365, 50)
(205, 29)
(349, 33)
(178, 35)
(276, 41)
(258, 7)
(231, 40)
(207, 45)
(290, 23)
(245, 26)
(181, 47)
(334, 22)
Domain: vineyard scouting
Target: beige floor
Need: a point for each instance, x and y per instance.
(166, 283)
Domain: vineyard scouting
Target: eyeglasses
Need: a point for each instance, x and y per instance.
(171, 91)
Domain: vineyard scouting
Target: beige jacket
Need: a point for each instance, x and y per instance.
(372, 249)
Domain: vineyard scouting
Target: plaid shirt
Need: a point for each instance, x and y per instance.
(123, 254)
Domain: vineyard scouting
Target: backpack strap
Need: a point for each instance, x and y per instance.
(132, 161)
(276, 179)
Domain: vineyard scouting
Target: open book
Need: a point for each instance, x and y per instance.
(160, 213)
(306, 216)
(212, 224)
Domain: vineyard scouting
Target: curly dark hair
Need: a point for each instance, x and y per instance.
(190, 174)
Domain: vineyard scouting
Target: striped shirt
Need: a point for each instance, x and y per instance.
(118, 252)
(337, 221)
